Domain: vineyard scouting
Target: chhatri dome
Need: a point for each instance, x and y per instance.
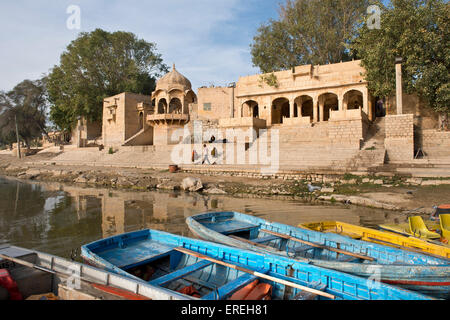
(173, 80)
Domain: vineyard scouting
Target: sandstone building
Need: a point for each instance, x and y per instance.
(324, 114)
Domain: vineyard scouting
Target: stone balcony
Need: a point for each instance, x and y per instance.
(299, 121)
(243, 122)
(167, 119)
(355, 114)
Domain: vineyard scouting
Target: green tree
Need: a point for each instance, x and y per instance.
(27, 103)
(97, 65)
(417, 31)
(308, 32)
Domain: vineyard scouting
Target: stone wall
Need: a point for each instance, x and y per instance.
(348, 132)
(399, 142)
(86, 131)
(435, 144)
(121, 119)
(220, 100)
(163, 134)
(114, 121)
(132, 125)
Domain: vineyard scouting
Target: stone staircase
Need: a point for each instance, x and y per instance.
(299, 150)
(142, 156)
(373, 152)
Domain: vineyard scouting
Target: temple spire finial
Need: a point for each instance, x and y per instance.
(173, 67)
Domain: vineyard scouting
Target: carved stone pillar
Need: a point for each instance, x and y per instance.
(341, 103)
(315, 110)
(321, 108)
(291, 108)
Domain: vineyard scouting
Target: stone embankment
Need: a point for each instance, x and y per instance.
(384, 192)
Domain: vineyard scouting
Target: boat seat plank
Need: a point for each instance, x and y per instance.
(180, 273)
(231, 287)
(135, 253)
(350, 234)
(305, 295)
(230, 226)
(299, 250)
(265, 239)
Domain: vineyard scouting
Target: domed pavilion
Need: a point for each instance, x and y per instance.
(172, 100)
(173, 94)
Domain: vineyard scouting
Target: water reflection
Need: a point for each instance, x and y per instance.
(58, 218)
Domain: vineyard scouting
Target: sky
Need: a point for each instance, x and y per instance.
(208, 40)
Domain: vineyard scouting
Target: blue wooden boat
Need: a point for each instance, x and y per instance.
(414, 271)
(216, 272)
(38, 274)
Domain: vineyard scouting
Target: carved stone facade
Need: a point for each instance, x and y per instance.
(326, 108)
(299, 97)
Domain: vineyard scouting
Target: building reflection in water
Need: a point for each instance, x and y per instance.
(124, 211)
(59, 218)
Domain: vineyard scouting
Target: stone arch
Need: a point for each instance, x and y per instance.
(330, 102)
(250, 108)
(354, 99)
(280, 110)
(162, 106)
(191, 97)
(175, 106)
(305, 106)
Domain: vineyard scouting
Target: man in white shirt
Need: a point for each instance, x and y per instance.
(205, 155)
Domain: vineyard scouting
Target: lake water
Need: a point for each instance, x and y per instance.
(58, 219)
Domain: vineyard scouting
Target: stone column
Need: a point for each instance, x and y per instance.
(340, 103)
(398, 75)
(300, 107)
(322, 108)
(366, 106)
(79, 127)
(315, 110)
(345, 102)
(291, 108)
(370, 104)
(156, 107)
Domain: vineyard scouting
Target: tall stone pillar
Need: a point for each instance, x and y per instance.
(370, 114)
(79, 127)
(398, 76)
(367, 105)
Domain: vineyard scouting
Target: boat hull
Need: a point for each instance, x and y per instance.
(381, 237)
(412, 271)
(62, 271)
(341, 285)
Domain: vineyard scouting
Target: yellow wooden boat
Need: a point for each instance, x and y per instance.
(380, 237)
(445, 226)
